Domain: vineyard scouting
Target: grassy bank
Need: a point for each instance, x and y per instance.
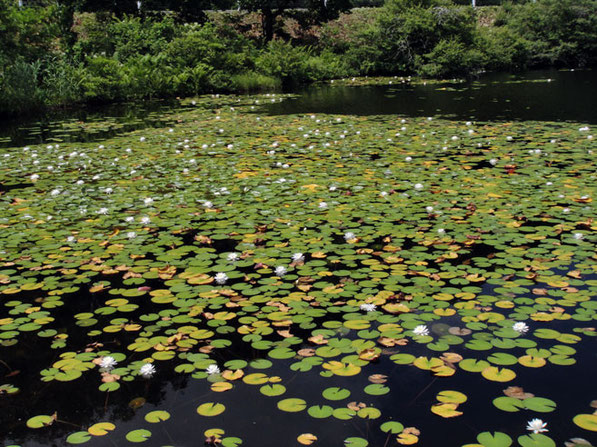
(102, 58)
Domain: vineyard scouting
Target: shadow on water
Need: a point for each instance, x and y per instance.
(88, 124)
(547, 95)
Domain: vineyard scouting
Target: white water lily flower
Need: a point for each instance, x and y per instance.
(408, 159)
(108, 190)
(298, 257)
(145, 220)
(368, 307)
(131, 235)
(333, 188)
(80, 182)
(108, 362)
(71, 239)
(147, 370)
(579, 236)
(493, 162)
(429, 209)
(323, 205)
(418, 186)
(232, 257)
(441, 231)
(383, 193)
(280, 270)
(520, 327)
(537, 426)
(34, 177)
(102, 211)
(349, 236)
(55, 192)
(566, 210)
(212, 369)
(147, 200)
(142, 139)
(129, 219)
(421, 330)
(221, 278)
(208, 204)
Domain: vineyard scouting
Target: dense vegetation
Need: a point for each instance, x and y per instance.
(56, 54)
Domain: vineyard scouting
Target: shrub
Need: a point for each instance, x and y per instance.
(283, 61)
(254, 82)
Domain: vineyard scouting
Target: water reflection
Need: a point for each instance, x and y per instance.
(548, 95)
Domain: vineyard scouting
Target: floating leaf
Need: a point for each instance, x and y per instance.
(306, 439)
(292, 405)
(210, 409)
(157, 416)
(586, 421)
(140, 435)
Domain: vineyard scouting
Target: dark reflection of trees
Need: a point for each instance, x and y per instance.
(79, 404)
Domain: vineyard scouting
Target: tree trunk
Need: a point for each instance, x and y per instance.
(267, 23)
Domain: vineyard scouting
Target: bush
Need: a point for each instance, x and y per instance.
(254, 82)
(20, 87)
(450, 58)
(558, 32)
(283, 61)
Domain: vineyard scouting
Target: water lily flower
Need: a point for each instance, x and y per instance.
(441, 231)
(34, 177)
(421, 330)
(55, 192)
(129, 219)
(221, 278)
(212, 369)
(408, 159)
(108, 190)
(493, 162)
(429, 209)
(349, 236)
(232, 257)
(147, 370)
(71, 239)
(102, 211)
(298, 257)
(280, 270)
(147, 200)
(537, 426)
(80, 182)
(520, 327)
(108, 362)
(142, 139)
(368, 307)
(208, 204)
(131, 234)
(566, 210)
(145, 220)
(579, 236)
(323, 205)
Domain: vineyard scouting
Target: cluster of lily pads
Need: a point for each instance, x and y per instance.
(243, 251)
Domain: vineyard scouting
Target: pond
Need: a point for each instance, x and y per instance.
(247, 270)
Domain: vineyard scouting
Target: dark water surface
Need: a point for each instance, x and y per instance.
(546, 95)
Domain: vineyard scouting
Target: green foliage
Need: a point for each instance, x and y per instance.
(451, 57)
(254, 82)
(19, 87)
(560, 32)
(283, 61)
(62, 52)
